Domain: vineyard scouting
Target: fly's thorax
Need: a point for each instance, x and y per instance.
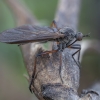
(69, 33)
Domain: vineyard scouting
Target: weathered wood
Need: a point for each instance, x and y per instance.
(53, 81)
(67, 15)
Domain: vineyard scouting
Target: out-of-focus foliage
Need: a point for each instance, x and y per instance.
(43, 10)
(6, 19)
(90, 18)
(89, 23)
(90, 71)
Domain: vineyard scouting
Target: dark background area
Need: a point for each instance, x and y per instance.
(13, 85)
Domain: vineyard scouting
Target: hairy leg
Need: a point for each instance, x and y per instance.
(78, 47)
(54, 24)
(34, 70)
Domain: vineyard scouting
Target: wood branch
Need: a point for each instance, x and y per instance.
(22, 14)
(67, 15)
(90, 45)
(53, 81)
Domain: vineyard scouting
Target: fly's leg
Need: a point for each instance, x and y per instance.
(54, 24)
(61, 47)
(78, 47)
(60, 67)
(34, 70)
(78, 51)
(33, 75)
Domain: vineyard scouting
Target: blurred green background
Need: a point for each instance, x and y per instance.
(13, 85)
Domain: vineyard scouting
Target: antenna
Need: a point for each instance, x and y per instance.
(87, 35)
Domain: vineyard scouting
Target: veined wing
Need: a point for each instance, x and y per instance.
(29, 33)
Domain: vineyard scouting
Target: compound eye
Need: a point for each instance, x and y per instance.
(79, 36)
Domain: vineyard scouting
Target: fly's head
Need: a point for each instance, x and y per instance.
(79, 36)
(69, 33)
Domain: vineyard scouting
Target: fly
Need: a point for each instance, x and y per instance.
(65, 38)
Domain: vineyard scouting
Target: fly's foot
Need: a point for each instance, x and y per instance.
(79, 64)
(31, 86)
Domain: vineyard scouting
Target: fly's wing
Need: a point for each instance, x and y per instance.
(29, 33)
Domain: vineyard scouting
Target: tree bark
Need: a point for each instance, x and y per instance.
(53, 81)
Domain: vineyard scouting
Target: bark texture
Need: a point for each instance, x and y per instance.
(53, 81)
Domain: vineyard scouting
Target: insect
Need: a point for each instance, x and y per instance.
(65, 38)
